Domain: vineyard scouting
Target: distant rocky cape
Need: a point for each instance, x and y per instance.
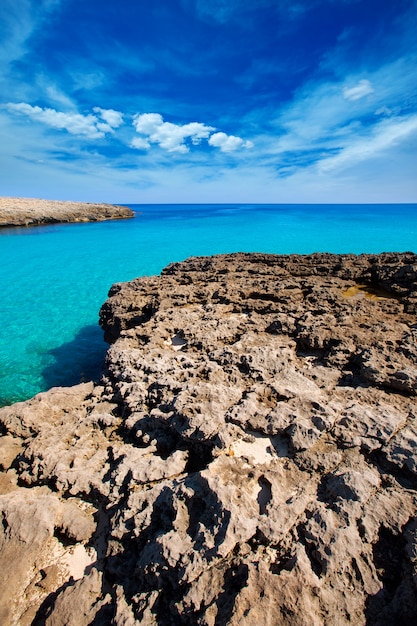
(249, 456)
(34, 211)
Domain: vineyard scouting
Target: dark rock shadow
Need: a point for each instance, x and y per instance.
(396, 602)
(76, 361)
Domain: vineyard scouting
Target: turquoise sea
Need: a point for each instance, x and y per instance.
(55, 278)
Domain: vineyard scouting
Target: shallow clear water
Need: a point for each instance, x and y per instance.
(55, 278)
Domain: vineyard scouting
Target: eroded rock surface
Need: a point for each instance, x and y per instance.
(35, 211)
(249, 456)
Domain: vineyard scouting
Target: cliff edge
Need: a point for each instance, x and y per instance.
(248, 457)
(35, 212)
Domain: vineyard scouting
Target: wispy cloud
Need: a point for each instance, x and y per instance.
(330, 117)
(18, 21)
(360, 90)
(224, 10)
(57, 96)
(21, 23)
(16, 24)
(385, 135)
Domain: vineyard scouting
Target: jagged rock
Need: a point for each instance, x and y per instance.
(249, 455)
(76, 524)
(80, 603)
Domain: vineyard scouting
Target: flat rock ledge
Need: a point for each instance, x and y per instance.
(248, 457)
(35, 212)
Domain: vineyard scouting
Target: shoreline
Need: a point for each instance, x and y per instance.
(38, 212)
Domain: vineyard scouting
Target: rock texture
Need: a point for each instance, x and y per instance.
(249, 456)
(33, 212)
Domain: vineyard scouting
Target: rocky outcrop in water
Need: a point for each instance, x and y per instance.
(35, 212)
(249, 456)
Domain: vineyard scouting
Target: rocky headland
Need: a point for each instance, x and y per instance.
(248, 457)
(35, 212)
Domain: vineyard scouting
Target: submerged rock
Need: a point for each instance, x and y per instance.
(249, 455)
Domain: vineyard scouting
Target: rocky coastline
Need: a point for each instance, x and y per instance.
(36, 212)
(249, 455)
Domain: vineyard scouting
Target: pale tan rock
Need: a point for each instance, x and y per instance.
(10, 447)
(80, 603)
(249, 455)
(76, 524)
(35, 211)
(28, 520)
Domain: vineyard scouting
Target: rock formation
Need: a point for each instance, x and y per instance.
(248, 457)
(33, 212)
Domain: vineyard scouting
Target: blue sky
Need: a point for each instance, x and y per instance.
(209, 100)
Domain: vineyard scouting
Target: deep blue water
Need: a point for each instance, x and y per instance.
(54, 278)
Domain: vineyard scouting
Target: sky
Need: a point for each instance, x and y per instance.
(209, 101)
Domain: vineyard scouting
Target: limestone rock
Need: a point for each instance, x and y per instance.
(34, 212)
(249, 455)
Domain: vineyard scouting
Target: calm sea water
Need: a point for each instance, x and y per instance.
(55, 278)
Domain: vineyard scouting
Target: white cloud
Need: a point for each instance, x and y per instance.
(113, 118)
(360, 90)
(170, 137)
(147, 123)
(140, 144)
(151, 127)
(75, 123)
(228, 143)
(30, 167)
